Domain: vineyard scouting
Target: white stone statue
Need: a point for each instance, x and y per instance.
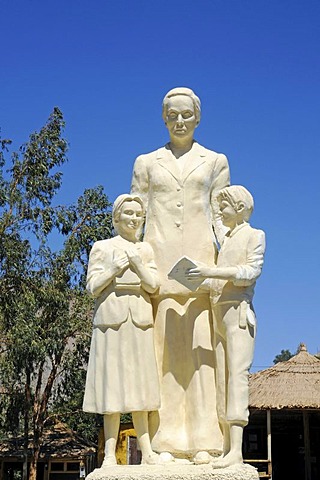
(178, 184)
(233, 278)
(122, 374)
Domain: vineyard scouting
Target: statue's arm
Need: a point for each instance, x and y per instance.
(240, 275)
(248, 273)
(221, 180)
(140, 181)
(153, 282)
(145, 268)
(222, 174)
(101, 270)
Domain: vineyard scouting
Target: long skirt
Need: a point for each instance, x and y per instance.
(187, 420)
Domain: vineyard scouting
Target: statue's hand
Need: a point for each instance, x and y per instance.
(120, 261)
(199, 272)
(134, 258)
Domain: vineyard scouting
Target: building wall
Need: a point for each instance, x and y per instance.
(127, 450)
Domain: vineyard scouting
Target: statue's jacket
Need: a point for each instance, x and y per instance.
(180, 207)
(244, 249)
(123, 295)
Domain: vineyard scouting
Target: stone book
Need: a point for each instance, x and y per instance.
(179, 271)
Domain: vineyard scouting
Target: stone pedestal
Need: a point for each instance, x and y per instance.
(174, 472)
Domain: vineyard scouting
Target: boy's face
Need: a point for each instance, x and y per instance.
(229, 214)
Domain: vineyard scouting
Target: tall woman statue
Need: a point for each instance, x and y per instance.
(178, 184)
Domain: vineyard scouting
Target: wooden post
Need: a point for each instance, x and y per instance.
(269, 443)
(306, 436)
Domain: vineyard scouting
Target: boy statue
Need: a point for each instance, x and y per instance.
(231, 283)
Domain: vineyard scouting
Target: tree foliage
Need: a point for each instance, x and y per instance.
(283, 356)
(45, 318)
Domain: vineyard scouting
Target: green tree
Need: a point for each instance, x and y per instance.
(283, 356)
(45, 318)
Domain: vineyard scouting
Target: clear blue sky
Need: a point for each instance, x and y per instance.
(255, 65)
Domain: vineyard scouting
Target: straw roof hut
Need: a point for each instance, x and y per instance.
(59, 441)
(294, 384)
(287, 395)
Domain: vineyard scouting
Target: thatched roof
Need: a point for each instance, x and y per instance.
(59, 442)
(293, 384)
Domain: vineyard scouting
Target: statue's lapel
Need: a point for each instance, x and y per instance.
(164, 158)
(195, 158)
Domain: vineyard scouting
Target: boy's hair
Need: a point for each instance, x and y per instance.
(236, 194)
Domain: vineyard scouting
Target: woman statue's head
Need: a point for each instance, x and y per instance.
(128, 215)
(182, 91)
(181, 110)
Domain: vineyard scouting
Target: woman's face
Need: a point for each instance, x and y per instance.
(130, 217)
(181, 118)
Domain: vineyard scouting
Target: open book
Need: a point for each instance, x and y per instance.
(179, 270)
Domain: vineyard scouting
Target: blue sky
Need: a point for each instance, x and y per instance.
(255, 65)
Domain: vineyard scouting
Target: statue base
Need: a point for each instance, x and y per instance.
(176, 471)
